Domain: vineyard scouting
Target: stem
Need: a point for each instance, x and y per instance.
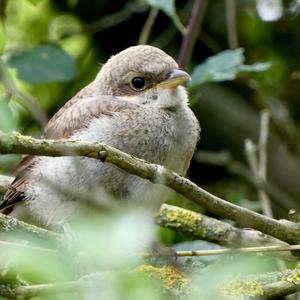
(224, 159)
(262, 165)
(16, 143)
(262, 249)
(232, 35)
(145, 33)
(23, 99)
(191, 34)
(114, 18)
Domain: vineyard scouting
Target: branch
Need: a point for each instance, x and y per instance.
(231, 24)
(191, 34)
(258, 165)
(262, 165)
(23, 99)
(146, 30)
(221, 251)
(16, 143)
(26, 292)
(224, 159)
(114, 18)
(269, 286)
(10, 224)
(210, 229)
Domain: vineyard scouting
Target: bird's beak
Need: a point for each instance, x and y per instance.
(174, 78)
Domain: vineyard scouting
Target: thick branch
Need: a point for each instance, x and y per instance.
(268, 286)
(210, 229)
(16, 143)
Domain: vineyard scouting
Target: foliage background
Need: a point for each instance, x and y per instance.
(51, 49)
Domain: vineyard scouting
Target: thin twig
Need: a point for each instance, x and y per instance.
(281, 119)
(224, 159)
(166, 36)
(209, 42)
(147, 28)
(115, 18)
(27, 102)
(262, 249)
(263, 138)
(232, 35)
(191, 34)
(262, 163)
(16, 143)
(259, 167)
(27, 247)
(250, 150)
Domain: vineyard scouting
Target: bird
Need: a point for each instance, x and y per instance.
(138, 104)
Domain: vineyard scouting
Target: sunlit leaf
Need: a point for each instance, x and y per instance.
(47, 63)
(225, 66)
(7, 121)
(168, 7)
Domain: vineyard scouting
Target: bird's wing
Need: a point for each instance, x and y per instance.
(74, 115)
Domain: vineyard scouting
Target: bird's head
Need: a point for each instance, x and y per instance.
(144, 75)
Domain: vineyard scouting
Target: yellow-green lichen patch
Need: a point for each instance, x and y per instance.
(241, 289)
(180, 218)
(294, 277)
(24, 139)
(169, 275)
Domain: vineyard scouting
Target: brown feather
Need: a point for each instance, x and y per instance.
(74, 115)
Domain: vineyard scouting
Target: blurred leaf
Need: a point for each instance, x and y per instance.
(64, 25)
(7, 121)
(35, 2)
(47, 63)
(168, 7)
(126, 236)
(225, 66)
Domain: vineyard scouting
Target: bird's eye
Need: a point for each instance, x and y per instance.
(138, 83)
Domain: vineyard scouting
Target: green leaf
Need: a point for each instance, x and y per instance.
(225, 66)
(168, 7)
(7, 121)
(47, 63)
